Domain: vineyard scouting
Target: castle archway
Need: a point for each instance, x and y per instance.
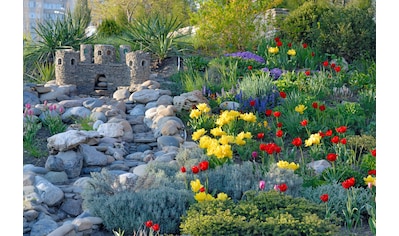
(100, 83)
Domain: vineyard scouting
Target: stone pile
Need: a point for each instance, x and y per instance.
(131, 129)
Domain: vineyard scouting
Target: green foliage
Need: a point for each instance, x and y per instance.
(305, 57)
(109, 27)
(54, 123)
(57, 34)
(338, 197)
(256, 85)
(347, 32)
(122, 208)
(63, 33)
(195, 63)
(31, 127)
(361, 144)
(233, 179)
(341, 173)
(277, 176)
(368, 101)
(363, 77)
(262, 213)
(223, 73)
(228, 26)
(84, 123)
(154, 33)
(82, 12)
(299, 25)
(42, 73)
(368, 162)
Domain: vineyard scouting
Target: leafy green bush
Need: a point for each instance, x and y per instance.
(155, 33)
(233, 179)
(261, 213)
(338, 197)
(109, 27)
(347, 32)
(299, 25)
(121, 207)
(228, 26)
(277, 176)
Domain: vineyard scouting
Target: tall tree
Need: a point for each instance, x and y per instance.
(126, 11)
(82, 13)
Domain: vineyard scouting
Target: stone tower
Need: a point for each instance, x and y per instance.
(66, 65)
(123, 50)
(139, 63)
(86, 53)
(104, 54)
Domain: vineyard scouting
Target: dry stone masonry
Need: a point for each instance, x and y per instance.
(96, 70)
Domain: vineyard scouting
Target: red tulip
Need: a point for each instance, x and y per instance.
(276, 114)
(203, 165)
(373, 152)
(279, 133)
(195, 169)
(324, 197)
(183, 169)
(297, 141)
(332, 157)
(283, 187)
(348, 183)
(155, 227)
(335, 139)
(148, 223)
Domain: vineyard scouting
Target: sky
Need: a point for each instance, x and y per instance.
(11, 118)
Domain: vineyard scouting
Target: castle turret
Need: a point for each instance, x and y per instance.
(66, 61)
(104, 54)
(123, 50)
(139, 63)
(86, 53)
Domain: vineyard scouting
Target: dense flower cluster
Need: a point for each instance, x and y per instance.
(275, 73)
(285, 165)
(201, 193)
(247, 56)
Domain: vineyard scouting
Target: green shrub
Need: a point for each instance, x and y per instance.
(261, 213)
(121, 207)
(195, 63)
(368, 162)
(154, 33)
(338, 197)
(347, 32)
(299, 25)
(233, 179)
(276, 176)
(228, 26)
(109, 27)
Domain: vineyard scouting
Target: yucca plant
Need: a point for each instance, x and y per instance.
(43, 72)
(67, 32)
(156, 34)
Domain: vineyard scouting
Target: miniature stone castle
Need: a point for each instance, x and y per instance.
(96, 71)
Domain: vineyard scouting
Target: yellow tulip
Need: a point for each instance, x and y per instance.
(291, 52)
(198, 134)
(195, 185)
(273, 50)
(300, 108)
(369, 179)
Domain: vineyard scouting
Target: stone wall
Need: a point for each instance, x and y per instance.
(97, 70)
